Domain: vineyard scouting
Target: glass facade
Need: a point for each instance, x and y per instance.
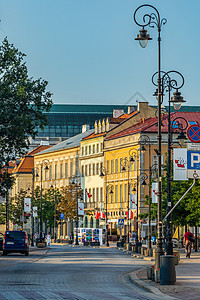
(67, 120)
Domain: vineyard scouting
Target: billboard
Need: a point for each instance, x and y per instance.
(180, 163)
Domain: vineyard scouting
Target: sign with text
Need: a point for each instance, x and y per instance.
(193, 163)
(27, 205)
(62, 216)
(180, 164)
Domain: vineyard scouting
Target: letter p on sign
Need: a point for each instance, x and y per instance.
(195, 159)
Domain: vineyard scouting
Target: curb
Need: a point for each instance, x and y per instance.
(147, 287)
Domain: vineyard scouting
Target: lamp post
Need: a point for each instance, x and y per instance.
(153, 20)
(126, 166)
(44, 162)
(108, 190)
(73, 181)
(53, 184)
(31, 186)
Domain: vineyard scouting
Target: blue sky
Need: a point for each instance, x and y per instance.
(86, 50)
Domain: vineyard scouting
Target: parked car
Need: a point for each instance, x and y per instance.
(1, 241)
(15, 242)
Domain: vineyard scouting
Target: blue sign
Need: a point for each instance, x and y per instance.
(193, 160)
(193, 133)
(62, 216)
(120, 221)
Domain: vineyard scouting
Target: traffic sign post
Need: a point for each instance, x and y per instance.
(120, 221)
(193, 164)
(193, 133)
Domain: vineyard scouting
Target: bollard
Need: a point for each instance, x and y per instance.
(167, 269)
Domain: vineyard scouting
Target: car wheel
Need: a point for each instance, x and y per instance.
(5, 253)
(26, 253)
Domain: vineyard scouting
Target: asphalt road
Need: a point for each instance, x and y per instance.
(66, 272)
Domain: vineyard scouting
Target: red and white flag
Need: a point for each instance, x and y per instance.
(88, 194)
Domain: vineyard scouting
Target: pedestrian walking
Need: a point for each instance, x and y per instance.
(49, 239)
(188, 239)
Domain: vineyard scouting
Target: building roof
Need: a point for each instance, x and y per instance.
(150, 125)
(26, 164)
(94, 135)
(69, 143)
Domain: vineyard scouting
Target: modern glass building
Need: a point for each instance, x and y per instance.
(66, 120)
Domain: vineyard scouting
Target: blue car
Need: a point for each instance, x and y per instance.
(15, 242)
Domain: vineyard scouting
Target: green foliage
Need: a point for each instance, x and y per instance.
(22, 103)
(16, 207)
(2, 214)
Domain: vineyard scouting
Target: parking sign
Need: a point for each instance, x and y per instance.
(193, 163)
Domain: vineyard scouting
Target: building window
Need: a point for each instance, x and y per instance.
(111, 167)
(101, 147)
(125, 192)
(107, 166)
(93, 169)
(121, 193)
(89, 173)
(66, 170)
(97, 194)
(93, 147)
(111, 197)
(116, 165)
(97, 168)
(116, 193)
(82, 170)
(61, 171)
(56, 170)
(89, 149)
(97, 148)
(121, 165)
(45, 174)
(85, 150)
(50, 172)
(86, 172)
(101, 166)
(82, 151)
(93, 194)
(71, 168)
(101, 194)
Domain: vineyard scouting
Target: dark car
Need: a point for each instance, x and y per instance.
(1, 241)
(15, 242)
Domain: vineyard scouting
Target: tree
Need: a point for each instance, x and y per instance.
(16, 207)
(68, 201)
(23, 102)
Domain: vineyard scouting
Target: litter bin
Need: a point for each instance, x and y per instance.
(167, 269)
(138, 247)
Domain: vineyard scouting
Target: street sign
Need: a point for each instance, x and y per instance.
(35, 211)
(62, 216)
(193, 133)
(27, 205)
(193, 163)
(180, 164)
(120, 221)
(80, 208)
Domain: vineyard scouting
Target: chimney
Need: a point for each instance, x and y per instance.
(142, 106)
(85, 128)
(117, 113)
(131, 109)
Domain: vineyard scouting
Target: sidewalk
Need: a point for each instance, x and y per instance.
(187, 279)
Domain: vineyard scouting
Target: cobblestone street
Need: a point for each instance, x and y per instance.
(66, 272)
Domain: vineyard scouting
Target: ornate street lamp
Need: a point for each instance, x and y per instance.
(126, 166)
(172, 80)
(153, 20)
(73, 180)
(43, 166)
(109, 190)
(53, 185)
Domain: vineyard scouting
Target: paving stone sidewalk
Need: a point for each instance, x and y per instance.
(187, 279)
